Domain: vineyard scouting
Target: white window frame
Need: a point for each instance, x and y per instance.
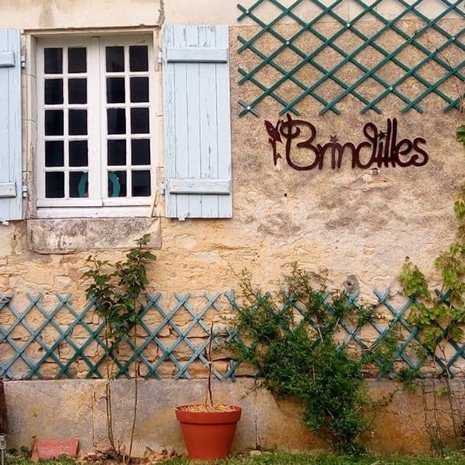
(99, 205)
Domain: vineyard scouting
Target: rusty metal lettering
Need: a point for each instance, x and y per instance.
(379, 149)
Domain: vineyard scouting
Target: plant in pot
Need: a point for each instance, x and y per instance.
(208, 429)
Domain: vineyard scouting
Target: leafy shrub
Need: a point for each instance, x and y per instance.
(289, 336)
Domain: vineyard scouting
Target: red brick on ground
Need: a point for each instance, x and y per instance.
(54, 448)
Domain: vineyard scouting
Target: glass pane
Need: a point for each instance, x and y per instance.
(114, 59)
(78, 184)
(53, 122)
(140, 152)
(139, 89)
(140, 183)
(53, 60)
(139, 120)
(115, 90)
(54, 153)
(83, 185)
(77, 91)
(116, 121)
(54, 185)
(53, 91)
(77, 60)
(138, 58)
(116, 152)
(77, 122)
(117, 184)
(78, 153)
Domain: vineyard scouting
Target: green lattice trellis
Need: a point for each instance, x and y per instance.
(36, 337)
(36, 344)
(413, 45)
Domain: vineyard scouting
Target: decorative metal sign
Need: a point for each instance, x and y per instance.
(379, 149)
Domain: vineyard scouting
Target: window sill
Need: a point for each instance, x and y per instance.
(126, 211)
(69, 235)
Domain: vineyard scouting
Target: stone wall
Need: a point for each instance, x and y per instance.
(348, 221)
(76, 409)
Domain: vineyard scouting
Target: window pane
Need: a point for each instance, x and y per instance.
(77, 122)
(78, 153)
(54, 185)
(53, 91)
(139, 89)
(115, 90)
(116, 121)
(114, 59)
(140, 183)
(77, 91)
(140, 151)
(117, 184)
(53, 60)
(138, 58)
(77, 60)
(78, 184)
(116, 152)
(53, 122)
(139, 120)
(54, 153)
(83, 185)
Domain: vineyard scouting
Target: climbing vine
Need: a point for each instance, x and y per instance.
(440, 315)
(290, 337)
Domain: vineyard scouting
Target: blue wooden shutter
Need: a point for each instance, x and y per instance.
(10, 126)
(197, 121)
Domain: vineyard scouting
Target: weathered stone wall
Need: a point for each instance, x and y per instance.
(348, 221)
(76, 408)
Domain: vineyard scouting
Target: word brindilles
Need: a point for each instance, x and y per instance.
(379, 149)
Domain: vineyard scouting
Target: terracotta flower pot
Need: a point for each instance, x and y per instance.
(208, 434)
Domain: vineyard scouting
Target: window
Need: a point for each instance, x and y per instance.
(95, 126)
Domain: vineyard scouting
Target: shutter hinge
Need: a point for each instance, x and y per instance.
(160, 57)
(162, 188)
(24, 191)
(23, 61)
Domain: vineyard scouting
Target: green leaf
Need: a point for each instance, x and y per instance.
(460, 134)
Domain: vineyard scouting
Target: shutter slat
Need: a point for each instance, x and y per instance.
(202, 55)
(7, 59)
(197, 121)
(200, 186)
(7, 189)
(10, 126)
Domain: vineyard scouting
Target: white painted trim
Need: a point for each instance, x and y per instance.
(76, 212)
(97, 128)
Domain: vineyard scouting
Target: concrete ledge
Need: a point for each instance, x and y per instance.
(61, 236)
(76, 409)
